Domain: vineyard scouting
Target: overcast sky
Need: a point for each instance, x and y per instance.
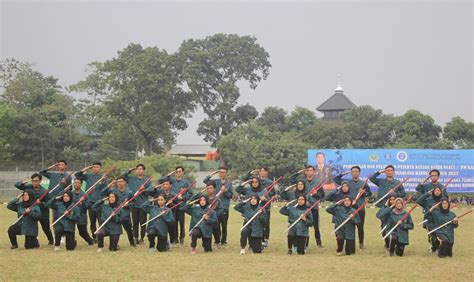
(394, 56)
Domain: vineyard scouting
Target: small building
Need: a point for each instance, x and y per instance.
(333, 107)
(192, 151)
(200, 156)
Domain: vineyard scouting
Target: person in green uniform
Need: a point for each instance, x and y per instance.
(81, 224)
(341, 211)
(311, 181)
(67, 225)
(158, 228)
(398, 239)
(138, 214)
(253, 233)
(224, 184)
(355, 186)
(204, 229)
(387, 185)
(298, 235)
(91, 178)
(28, 225)
(38, 191)
(444, 236)
(113, 228)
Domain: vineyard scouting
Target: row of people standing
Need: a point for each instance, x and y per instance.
(133, 217)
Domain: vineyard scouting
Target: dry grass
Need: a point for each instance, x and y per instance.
(227, 264)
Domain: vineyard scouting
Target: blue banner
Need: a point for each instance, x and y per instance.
(412, 163)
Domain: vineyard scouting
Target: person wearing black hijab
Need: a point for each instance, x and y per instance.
(28, 225)
(67, 225)
(254, 231)
(341, 211)
(445, 236)
(204, 229)
(113, 228)
(298, 234)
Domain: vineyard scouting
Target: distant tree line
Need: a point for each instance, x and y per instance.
(138, 101)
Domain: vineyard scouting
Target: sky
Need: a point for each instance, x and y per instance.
(392, 55)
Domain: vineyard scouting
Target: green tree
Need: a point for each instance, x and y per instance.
(211, 68)
(415, 130)
(44, 121)
(368, 127)
(273, 118)
(253, 145)
(300, 118)
(459, 133)
(140, 88)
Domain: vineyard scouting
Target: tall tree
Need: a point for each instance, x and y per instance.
(211, 68)
(460, 133)
(44, 124)
(273, 118)
(415, 130)
(142, 89)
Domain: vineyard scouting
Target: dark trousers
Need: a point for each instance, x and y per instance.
(222, 225)
(350, 245)
(445, 248)
(114, 239)
(255, 242)
(360, 226)
(434, 242)
(298, 241)
(94, 219)
(171, 231)
(317, 233)
(387, 240)
(395, 246)
(161, 246)
(180, 215)
(15, 230)
(84, 234)
(127, 226)
(216, 232)
(70, 240)
(138, 218)
(206, 242)
(266, 226)
(44, 221)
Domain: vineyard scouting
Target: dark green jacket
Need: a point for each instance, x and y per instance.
(90, 179)
(177, 185)
(227, 195)
(249, 191)
(247, 213)
(264, 183)
(438, 218)
(122, 196)
(309, 185)
(54, 179)
(82, 207)
(159, 225)
(402, 230)
(133, 184)
(44, 209)
(340, 214)
(354, 187)
(68, 222)
(29, 223)
(302, 227)
(196, 213)
(423, 188)
(114, 226)
(384, 186)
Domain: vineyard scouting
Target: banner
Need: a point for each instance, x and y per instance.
(412, 163)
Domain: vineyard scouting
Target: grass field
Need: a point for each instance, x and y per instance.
(226, 264)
